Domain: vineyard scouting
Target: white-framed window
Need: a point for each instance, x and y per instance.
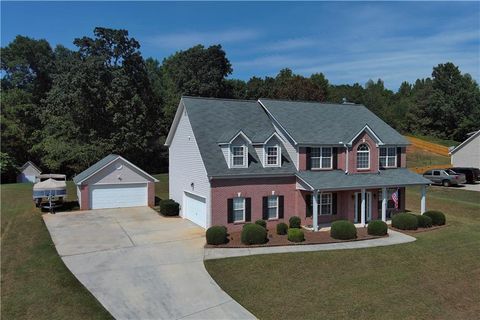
(238, 209)
(272, 155)
(238, 156)
(273, 207)
(321, 158)
(363, 156)
(388, 157)
(325, 203)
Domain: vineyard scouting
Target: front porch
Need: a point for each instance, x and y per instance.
(358, 198)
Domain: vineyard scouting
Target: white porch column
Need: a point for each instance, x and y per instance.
(362, 217)
(315, 210)
(423, 202)
(384, 204)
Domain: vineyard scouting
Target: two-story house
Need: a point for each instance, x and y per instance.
(236, 161)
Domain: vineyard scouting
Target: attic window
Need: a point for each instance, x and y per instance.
(272, 156)
(238, 156)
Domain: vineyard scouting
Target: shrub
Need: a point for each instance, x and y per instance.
(282, 228)
(262, 223)
(169, 207)
(295, 235)
(295, 222)
(253, 234)
(438, 218)
(424, 221)
(343, 230)
(216, 235)
(377, 228)
(405, 221)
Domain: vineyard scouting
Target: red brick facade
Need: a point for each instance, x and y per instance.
(151, 194)
(85, 198)
(294, 200)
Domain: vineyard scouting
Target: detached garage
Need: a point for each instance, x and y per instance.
(114, 182)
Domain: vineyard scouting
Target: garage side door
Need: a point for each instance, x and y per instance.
(118, 196)
(195, 209)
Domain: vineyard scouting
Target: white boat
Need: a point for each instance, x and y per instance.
(50, 190)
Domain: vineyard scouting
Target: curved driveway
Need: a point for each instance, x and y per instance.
(140, 265)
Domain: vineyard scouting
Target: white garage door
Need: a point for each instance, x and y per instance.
(195, 209)
(118, 196)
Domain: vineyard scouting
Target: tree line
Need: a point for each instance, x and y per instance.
(65, 109)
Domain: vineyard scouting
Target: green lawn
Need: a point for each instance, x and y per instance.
(35, 283)
(435, 277)
(421, 158)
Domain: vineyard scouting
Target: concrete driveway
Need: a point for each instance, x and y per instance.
(140, 265)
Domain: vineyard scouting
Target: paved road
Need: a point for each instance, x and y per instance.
(140, 265)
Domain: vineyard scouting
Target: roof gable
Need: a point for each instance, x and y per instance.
(31, 164)
(326, 123)
(464, 143)
(103, 163)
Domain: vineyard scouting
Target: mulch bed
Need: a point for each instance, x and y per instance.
(419, 230)
(281, 240)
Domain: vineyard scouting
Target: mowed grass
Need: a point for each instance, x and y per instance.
(421, 158)
(35, 283)
(435, 277)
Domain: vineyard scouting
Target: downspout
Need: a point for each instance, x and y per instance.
(346, 158)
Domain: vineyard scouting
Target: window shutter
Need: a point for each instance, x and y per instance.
(280, 207)
(308, 200)
(400, 199)
(308, 153)
(334, 203)
(265, 208)
(399, 157)
(230, 210)
(335, 158)
(248, 209)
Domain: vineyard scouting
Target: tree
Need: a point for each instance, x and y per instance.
(101, 101)
(198, 71)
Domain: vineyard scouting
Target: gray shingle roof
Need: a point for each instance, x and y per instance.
(218, 120)
(323, 123)
(92, 169)
(337, 179)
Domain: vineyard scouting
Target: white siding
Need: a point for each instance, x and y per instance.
(225, 148)
(288, 144)
(468, 155)
(186, 167)
(259, 151)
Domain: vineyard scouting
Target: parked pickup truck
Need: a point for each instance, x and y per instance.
(472, 174)
(445, 177)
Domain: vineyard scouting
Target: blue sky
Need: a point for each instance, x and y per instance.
(348, 41)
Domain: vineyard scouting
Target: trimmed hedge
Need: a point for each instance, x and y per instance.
(296, 235)
(377, 228)
(343, 230)
(405, 221)
(295, 222)
(262, 223)
(424, 221)
(169, 207)
(216, 235)
(282, 228)
(438, 217)
(253, 234)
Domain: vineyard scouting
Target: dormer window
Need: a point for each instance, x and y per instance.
(239, 156)
(363, 156)
(272, 155)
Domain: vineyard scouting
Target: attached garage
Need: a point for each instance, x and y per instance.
(195, 209)
(114, 182)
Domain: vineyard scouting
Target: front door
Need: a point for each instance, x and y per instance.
(358, 206)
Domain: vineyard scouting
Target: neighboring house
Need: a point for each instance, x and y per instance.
(114, 182)
(28, 172)
(235, 161)
(467, 154)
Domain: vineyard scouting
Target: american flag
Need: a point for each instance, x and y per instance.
(395, 198)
